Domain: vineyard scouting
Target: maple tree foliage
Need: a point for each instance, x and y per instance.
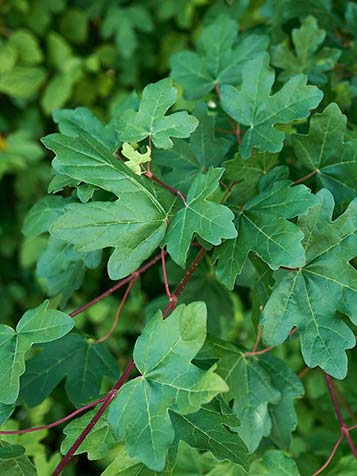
(219, 200)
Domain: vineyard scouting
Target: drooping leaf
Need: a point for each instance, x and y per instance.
(61, 268)
(135, 158)
(323, 150)
(209, 429)
(13, 461)
(219, 59)
(263, 227)
(282, 414)
(43, 214)
(98, 443)
(151, 119)
(209, 220)
(309, 297)
(168, 380)
(73, 358)
(37, 325)
(188, 159)
(132, 225)
(255, 107)
(308, 58)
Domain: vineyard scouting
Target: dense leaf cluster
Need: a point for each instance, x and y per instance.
(216, 157)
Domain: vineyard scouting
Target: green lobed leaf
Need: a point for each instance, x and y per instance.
(210, 429)
(132, 225)
(255, 107)
(168, 380)
(151, 120)
(219, 59)
(274, 463)
(263, 390)
(309, 297)
(263, 227)
(13, 462)
(186, 160)
(37, 325)
(323, 150)
(308, 58)
(209, 220)
(82, 364)
(98, 443)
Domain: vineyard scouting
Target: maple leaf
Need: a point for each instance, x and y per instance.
(168, 381)
(324, 151)
(275, 239)
(37, 325)
(254, 107)
(188, 159)
(151, 120)
(219, 59)
(73, 358)
(135, 158)
(263, 390)
(309, 297)
(306, 59)
(209, 220)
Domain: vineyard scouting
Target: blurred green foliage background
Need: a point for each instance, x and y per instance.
(94, 53)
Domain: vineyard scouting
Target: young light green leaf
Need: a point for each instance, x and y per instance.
(73, 358)
(309, 297)
(151, 119)
(132, 225)
(36, 326)
(323, 150)
(219, 60)
(98, 443)
(254, 107)
(85, 159)
(188, 159)
(263, 227)
(209, 220)
(210, 429)
(135, 158)
(307, 58)
(168, 381)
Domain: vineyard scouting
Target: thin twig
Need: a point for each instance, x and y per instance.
(257, 340)
(117, 286)
(117, 314)
(329, 459)
(164, 272)
(55, 423)
(302, 179)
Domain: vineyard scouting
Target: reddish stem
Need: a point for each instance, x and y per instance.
(107, 401)
(164, 271)
(329, 459)
(257, 340)
(258, 352)
(302, 179)
(173, 190)
(56, 423)
(119, 284)
(117, 315)
(218, 90)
